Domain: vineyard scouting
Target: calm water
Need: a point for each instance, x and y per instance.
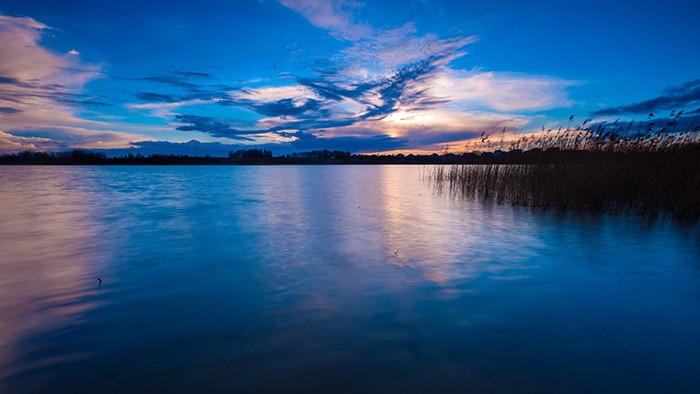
(286, 279)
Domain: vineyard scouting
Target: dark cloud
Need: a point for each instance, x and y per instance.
(193, 74)
(32, 84)
(79, 101)
(208, 92)
(394, 90)
(308, 118)
(282, 107)
(170, 79)
(23, 84)
(673, 97)
(53, 86)
(380, 98)
(673, 124)
(57, 96)
(195, 148)
(218, 149)
(399, 88)
(9, 111)
(286, 107)
(188, 84)
(213, 127)
(325, 86)
(306, 141)
(8, 80)
(148, 96)
(74, 99)
(93, 103)
(189, 81)
(191, 148)
(311, 124)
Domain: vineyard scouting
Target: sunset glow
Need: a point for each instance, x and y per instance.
(294, 75)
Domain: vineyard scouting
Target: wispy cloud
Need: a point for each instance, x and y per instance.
(332, 15)
(14, 143)
(394, 87)
(503, 92)
(674, 97)
(39, 92)
(213, 127)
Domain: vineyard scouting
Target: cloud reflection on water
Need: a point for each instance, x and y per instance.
(256, 277)
(50, 257)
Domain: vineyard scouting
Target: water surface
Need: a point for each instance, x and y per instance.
(330, 279)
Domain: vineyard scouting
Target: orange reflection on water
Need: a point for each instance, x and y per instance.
(421, 234)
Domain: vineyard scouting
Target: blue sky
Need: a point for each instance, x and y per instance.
(179, 77)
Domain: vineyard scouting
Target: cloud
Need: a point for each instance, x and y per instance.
(158, 97)
(424, 103)
(331, 101)
(680, 122)
(287, 107)
(192, 84)
(398, 83)
(392, 87)
(192, 148)
(23, 62)
(11, 143)
(39, 93)
(184, 88)
(304, 142)
(213, 127)
(388, 88)
(164, 109)
(373, 50)
(331, 15)
(431, 130)
(674, 97)
(63, 137)
(8, 110)
(503, 92)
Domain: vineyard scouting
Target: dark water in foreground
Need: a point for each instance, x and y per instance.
(221, 279)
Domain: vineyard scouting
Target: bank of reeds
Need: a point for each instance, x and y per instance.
(650, 174)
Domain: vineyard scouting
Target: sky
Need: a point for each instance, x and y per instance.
(210, 77)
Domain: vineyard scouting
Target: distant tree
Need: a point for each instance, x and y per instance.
(250, 154)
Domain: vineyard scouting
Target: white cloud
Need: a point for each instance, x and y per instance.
(12, 143)
(25, 60)
(165, 110)
(331, 15)
(296, 93)
(435, 103)
(503, 92)
(392, 82)
(374, 52)
(37, 85)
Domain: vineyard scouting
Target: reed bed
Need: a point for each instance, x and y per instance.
(653, 175)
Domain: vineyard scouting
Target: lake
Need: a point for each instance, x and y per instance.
(330, 279)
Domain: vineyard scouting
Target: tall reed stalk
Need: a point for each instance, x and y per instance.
(647, 174)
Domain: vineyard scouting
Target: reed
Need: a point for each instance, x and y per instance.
(602, 169)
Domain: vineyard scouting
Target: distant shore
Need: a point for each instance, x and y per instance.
(256, 157)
